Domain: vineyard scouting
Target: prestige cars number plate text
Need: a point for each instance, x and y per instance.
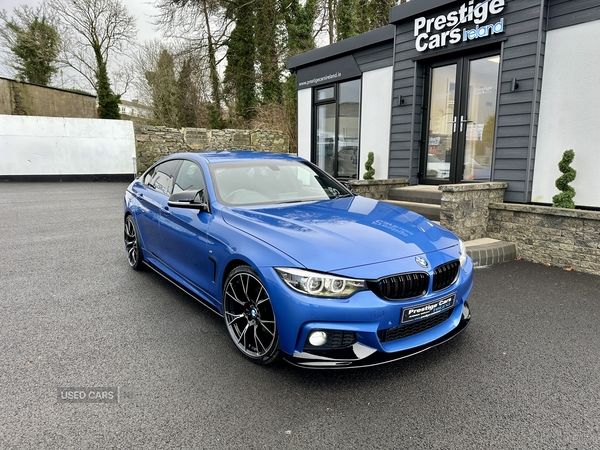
(426, 310)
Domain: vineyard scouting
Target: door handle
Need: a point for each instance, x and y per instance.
(463, 121)
(454, 125)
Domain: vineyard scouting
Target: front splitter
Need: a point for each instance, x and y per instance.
(362, 356)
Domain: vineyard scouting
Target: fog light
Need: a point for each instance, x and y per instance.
(317, 338)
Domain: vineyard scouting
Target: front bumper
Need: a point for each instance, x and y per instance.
(360, 355)
(364, 329)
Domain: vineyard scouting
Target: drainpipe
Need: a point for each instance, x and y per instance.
(412, 130)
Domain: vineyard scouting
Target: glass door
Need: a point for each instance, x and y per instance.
(324, 153)
(442, 122)
(478, 123)
(461, 122)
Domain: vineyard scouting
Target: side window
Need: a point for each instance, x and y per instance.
(160, 178)
(189, 178)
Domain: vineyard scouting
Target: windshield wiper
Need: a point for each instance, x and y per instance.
(298, 201)
(345, 195)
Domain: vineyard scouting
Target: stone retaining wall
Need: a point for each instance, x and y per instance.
(153, 143)
(568, 238)
(377, 189)
(18, 98)
(464, 208)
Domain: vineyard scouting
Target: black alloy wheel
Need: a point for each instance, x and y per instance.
(249, 316)
(132, 244)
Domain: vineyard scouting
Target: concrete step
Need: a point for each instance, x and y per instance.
(431, 211)
(486, 252)
(426, 200)
(417, 194)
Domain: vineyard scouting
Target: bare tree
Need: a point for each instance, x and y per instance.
(204, 27)
(95, 31)
(155, 83)
(145, 60)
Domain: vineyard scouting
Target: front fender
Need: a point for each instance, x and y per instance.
(228, 247)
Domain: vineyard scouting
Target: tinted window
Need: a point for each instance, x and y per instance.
(189, 177)
(160, 178)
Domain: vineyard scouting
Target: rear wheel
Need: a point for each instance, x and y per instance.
(249, 316)
(132, 244)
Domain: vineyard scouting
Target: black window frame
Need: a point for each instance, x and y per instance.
(172, 174)
(334, 100)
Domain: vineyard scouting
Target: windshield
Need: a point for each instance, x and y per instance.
(254, 182)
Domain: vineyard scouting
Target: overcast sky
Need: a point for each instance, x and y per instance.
(142, 10)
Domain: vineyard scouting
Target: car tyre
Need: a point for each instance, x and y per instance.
(132, 244)
(249, 316)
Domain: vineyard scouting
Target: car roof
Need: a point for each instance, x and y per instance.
(219, 156)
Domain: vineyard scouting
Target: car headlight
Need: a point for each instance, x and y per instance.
(463, 252)
(320, 284)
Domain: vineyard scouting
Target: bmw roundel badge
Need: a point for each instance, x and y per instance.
(421, 261)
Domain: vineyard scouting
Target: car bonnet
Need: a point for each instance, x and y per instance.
(341, 233)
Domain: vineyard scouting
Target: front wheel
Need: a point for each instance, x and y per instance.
(132, 244)
(249, 316)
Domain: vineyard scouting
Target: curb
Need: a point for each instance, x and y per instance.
(486, 252)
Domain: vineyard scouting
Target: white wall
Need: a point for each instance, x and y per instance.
(34, 145)
(304, 122)
(375, 116)
(570, 113)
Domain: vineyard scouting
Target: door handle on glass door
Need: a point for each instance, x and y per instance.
(453, 125)
(463, 121)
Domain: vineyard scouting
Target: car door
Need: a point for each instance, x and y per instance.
(152, 194)
(184, 233)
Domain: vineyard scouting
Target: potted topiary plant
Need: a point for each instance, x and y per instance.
(565, 198)
(369, 174)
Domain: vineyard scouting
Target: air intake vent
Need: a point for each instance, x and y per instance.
(393, 334)
(335, 339)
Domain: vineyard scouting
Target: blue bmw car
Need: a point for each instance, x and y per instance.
(297, 265)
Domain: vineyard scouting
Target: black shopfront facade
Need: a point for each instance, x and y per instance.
(463, 97)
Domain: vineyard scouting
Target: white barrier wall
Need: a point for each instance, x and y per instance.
(35, 145)
(569, 113)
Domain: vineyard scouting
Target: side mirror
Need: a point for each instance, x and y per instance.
(189, 199)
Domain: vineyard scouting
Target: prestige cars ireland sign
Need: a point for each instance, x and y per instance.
(446, 29)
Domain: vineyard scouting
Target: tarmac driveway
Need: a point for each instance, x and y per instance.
(73, 316)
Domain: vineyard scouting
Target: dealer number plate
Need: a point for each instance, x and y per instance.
(419, 312)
